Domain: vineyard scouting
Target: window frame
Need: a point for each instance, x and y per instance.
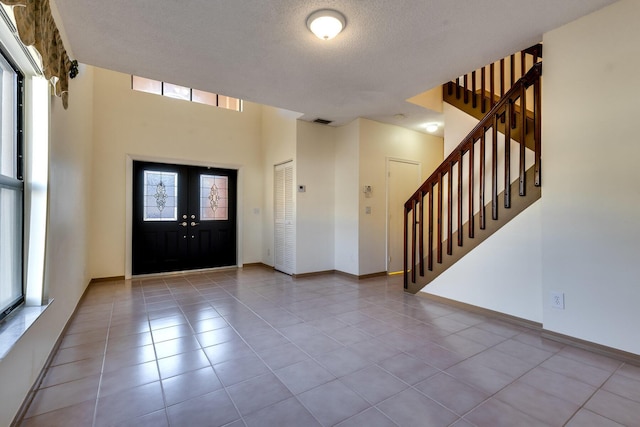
(17, 183)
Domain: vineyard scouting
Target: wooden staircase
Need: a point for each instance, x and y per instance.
(477, 92)
(509, 127)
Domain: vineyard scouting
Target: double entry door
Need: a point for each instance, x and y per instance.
(184, 217)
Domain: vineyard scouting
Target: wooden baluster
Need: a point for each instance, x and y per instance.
(501, 77)
(512, 60)
(523, 138)
(471, 187)
(483, 219)
(430, 236)
(450, 88)
(492, 85)
(474, 101)
(457, 87)
(494, 168)
(405, 259)
(413, 241)
(449, 209)
(421, 233)
(439, 224)
(483, 94)
(537, 132)
(466, 88)
(523, 64)
(507, 154)
(460, 199)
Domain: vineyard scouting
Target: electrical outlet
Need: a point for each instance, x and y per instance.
(268, 252)
(557, 300)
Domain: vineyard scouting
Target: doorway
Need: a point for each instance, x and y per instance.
(184, 217)
(403, 179)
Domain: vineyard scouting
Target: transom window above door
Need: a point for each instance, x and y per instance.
(170, 90)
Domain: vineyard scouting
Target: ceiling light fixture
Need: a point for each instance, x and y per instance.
(432, 127)
(326, 23)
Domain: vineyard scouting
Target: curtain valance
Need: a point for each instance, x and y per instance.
(37, 28)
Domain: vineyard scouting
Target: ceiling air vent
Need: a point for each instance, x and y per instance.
(322, 121)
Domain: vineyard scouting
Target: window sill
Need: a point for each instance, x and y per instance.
(15, 325)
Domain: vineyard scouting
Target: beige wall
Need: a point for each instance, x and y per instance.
(379, 142)
(146, 126)
(591, 201)
(315, 207)
(66, 273)
(278, 133)
(346, 166)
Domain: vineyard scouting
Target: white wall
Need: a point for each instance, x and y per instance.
(591, 196)
(315, 207)
(346, 197)
(378, 142)
(278, 133)
(66, 274)
(503, 273)
(147, 126)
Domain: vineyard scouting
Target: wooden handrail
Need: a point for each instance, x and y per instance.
(476, 95)
(502, 111)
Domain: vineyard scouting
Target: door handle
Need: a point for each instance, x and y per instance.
(184, 223)
(193, 223)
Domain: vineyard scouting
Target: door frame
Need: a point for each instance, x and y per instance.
(387, 195)
(128, 241)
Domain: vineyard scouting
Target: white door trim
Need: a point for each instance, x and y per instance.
(387, 172)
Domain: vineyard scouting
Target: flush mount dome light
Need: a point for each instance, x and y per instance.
(326, 23)
(432, 127)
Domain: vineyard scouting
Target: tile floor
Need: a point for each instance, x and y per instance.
(254, 347)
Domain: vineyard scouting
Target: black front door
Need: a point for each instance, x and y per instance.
(184, 217)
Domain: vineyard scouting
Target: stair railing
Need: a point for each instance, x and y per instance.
(473, 149)
(486, 85)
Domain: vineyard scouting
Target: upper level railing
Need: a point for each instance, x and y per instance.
(470, 154)
(488, 84)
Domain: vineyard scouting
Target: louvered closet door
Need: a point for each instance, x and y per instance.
(284, 214)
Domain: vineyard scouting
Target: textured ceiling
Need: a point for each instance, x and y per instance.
(261, 50)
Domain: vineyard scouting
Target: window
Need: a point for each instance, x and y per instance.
(11, 188)
(181, 92)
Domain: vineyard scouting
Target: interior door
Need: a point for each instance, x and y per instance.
(284, 219)
(183, 217)
(403, 180)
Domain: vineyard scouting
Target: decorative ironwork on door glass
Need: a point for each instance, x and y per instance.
(214, 198)
(160, 196)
